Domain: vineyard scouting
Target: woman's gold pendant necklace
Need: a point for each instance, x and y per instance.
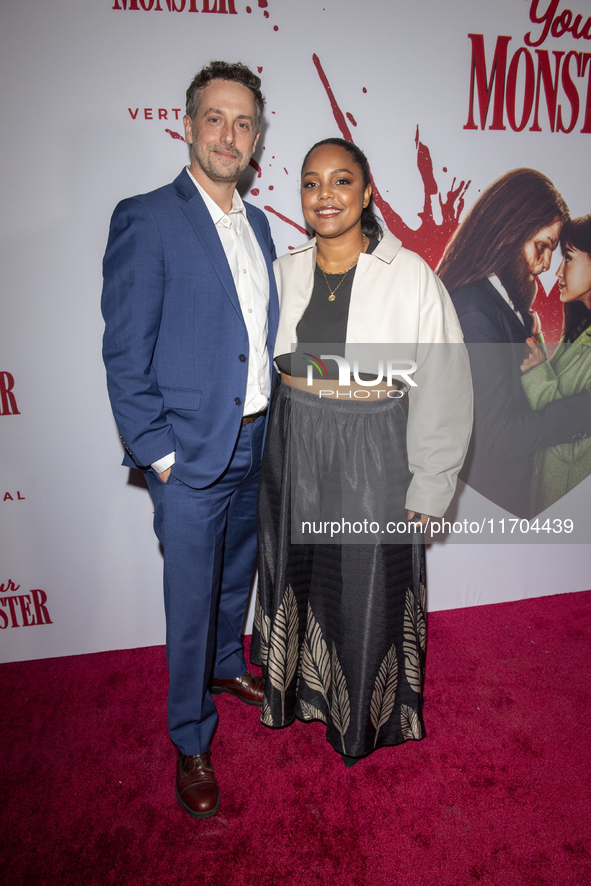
(332, 295)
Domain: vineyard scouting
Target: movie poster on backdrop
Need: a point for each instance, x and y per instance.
(444, 99)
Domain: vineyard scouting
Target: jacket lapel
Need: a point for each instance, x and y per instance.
(567, 356)
(294, 273)
(196, 211)
(518, 330)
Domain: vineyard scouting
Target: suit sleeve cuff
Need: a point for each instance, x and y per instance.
(164, 463)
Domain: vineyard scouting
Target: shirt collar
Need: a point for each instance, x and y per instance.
(501, 289)
(503, 292)
(216, 213)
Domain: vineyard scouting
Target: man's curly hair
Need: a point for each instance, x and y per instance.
(237, 73)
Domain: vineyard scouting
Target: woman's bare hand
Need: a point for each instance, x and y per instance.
(535, 356)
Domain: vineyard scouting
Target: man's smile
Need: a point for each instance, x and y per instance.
(225, 154)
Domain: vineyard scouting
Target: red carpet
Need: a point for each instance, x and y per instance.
(498, 792)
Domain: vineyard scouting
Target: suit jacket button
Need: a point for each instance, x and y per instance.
(237, 401)
(242, 358)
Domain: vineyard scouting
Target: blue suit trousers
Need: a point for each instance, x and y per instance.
(209, 541)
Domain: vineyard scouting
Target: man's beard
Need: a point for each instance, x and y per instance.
(216, 169)
(516, 278)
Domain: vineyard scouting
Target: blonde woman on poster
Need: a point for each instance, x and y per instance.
(559, 469)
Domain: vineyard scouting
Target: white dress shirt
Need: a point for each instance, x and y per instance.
(249, 273)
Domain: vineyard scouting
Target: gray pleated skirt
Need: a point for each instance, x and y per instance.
(340, 628)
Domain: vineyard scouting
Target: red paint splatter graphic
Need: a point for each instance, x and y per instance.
(255, 192)
(337, 113)
(285, 171)
(252, 162)
(248, 9)
(351, 118)
(263, 4)
(174, 134)
(266, 14)
(260, 69)
(430, 238)
(287, 220)
(364, 90)
(275, 27)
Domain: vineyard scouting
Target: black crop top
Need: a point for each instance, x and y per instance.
(323, 321)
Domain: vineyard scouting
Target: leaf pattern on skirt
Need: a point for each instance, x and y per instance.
(262, 623)
(283, 646)
(411, 653)
(384, 693)
(411, 727)
(315, 660)
(422, 617)
(309, 712)
(340, 709)
(266, 715)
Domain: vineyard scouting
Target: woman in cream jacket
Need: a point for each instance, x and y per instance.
(340, 615)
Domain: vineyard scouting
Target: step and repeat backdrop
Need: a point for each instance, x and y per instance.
(443, 97)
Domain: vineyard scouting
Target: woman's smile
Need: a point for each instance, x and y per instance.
(327, 211)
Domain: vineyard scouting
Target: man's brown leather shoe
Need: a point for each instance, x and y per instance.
(247, 688)
(195, 787)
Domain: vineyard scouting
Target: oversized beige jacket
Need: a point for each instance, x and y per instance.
(397, 299)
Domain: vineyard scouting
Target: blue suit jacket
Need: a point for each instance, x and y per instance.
(175, 344)
(507, 431)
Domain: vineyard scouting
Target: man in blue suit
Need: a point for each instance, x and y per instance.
(191, 311)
